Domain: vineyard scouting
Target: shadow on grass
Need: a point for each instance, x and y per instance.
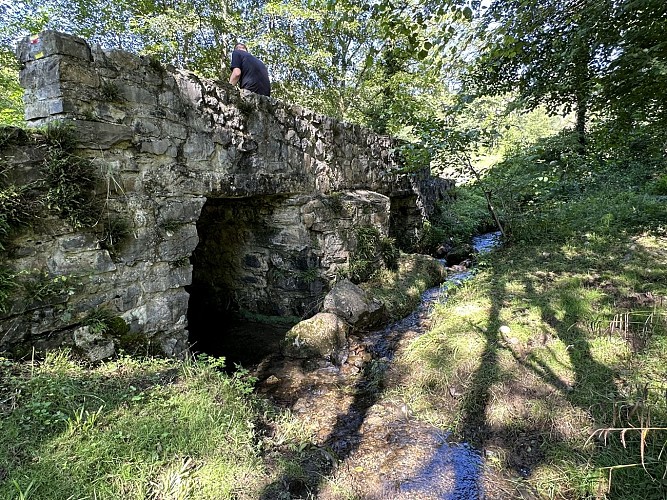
(592, 388)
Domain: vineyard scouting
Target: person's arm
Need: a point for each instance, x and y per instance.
(235, 76)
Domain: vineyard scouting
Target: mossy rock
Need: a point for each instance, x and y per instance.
(324, 336)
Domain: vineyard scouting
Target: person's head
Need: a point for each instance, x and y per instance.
(241, 46)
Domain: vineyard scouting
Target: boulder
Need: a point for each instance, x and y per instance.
(322, 336)
(460, 253)
(93, 346)
(348, 301)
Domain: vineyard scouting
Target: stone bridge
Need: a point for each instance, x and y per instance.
(232, 201)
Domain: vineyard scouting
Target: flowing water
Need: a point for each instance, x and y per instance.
(381, 452)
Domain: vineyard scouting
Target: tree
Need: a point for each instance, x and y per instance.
(635, 82)
(550, 51)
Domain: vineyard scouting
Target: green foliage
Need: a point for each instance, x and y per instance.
(335, 203)
(130, 428)
(364, 259)
(29, 287)
(598, 192)
(12, 135)
(389, 253)
(8, 284)
(17, 208)
(11, 93)
(659, 186)
(414, 157)
(103, 321)
(591, 56)
(309, 275)
(465, 216)
(400, 289)
(60, 136)
(43, 287)
(70, 182)
(371, 253)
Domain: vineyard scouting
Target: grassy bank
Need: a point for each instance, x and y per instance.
(552, 360)
(128, 429)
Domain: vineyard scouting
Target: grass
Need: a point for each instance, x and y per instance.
(578, 367)
(551, 360)
(131, 428)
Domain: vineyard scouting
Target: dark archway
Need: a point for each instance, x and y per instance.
(246, 292)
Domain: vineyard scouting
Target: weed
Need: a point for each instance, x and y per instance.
(335, 203)
(70, 182)
(246, 108)
(389, 253)
(103, 321)
(42, 287)
(182, 262)
(17, 208)
(12, 135)
(109, 91)
(60, 135)
(310, 275)
(365, 256)
(8, 284)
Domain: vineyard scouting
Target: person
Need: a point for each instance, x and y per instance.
(249, 72)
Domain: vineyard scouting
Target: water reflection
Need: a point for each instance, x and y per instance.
(486, 242)
(458, 460)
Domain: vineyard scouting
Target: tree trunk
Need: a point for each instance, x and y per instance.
(582, 110)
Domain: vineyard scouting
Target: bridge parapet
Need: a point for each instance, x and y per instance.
(234, 143)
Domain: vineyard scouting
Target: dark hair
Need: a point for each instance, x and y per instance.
(240, 44)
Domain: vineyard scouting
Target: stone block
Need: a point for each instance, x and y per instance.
(80, 262)
(49, 43)
(179, 245)
(122, 61)
(101, 135)
(94, 346)
(322, 336)
(40, 73)
(43, 109)
(348, 301)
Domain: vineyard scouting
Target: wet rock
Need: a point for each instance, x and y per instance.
(460, 253)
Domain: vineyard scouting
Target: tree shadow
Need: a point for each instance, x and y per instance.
(593, 382)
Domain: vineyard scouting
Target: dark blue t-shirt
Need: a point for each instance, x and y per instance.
(254, 75)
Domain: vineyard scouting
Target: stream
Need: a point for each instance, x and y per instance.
(380, 450)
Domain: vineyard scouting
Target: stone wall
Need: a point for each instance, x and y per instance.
(229, 196)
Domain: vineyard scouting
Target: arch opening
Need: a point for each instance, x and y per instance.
(246, 289)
